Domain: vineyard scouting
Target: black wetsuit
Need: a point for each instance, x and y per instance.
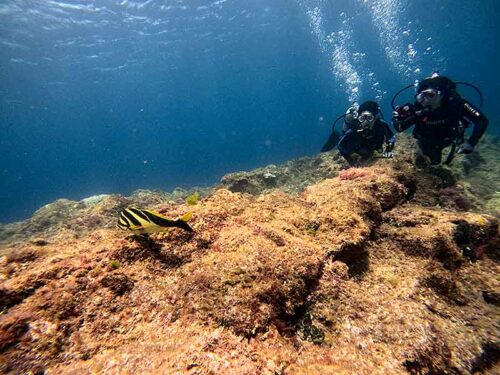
(366, 142)
(437, 129)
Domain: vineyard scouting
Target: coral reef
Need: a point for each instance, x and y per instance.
(291, 177)
(379, 270)
(82, 217)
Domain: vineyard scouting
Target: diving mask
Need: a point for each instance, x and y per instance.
(429, 98)
(366, 120)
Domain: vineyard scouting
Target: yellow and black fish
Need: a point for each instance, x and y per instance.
(141, 221)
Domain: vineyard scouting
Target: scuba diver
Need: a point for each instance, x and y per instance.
(364, 132)
(440, 116)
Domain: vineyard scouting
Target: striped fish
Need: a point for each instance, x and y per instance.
(141, 221)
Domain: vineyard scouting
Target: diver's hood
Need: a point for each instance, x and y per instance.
(440, 83)
(369, 106)
(445, 87)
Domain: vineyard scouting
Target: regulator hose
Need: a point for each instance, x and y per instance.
(479, 93)
(337, 120)
(334, 137)
(397, 94)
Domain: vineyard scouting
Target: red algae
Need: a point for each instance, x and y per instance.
(355, 173)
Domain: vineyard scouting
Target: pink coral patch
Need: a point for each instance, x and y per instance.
(355, 173)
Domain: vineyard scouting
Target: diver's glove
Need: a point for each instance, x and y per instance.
(387, 154)
(401, 114)
(466, 148)
(352, 113)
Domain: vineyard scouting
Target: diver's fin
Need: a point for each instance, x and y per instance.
(332, 142)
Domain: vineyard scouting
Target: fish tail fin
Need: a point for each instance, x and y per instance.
(186, 216)
(179, 223)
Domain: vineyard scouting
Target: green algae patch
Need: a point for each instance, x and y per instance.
(192, 199)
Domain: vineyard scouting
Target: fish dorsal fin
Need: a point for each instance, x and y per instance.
(186, 216)
(156, 214)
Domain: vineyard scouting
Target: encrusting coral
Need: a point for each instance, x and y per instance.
(357, 274)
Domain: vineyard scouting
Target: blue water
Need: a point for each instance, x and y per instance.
(111, 96)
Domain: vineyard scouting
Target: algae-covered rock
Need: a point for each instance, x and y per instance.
(376, 270)
(93, 200)
(493, 205)
(291, 177)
